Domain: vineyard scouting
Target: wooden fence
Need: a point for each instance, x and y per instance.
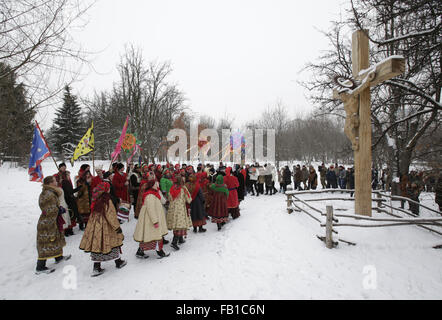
(331, 222)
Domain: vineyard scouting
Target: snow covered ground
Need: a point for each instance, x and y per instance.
(265, 254)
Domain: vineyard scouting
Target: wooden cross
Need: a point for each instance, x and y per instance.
(357, 107)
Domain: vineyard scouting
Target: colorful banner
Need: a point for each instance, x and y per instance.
(117, 150)
(39, 152)
(85, 146)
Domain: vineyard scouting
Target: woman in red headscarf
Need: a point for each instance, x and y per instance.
(103, 236)
(232, 202)
(151, 225)
(178, 218)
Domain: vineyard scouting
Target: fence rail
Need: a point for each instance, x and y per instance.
(294, 204)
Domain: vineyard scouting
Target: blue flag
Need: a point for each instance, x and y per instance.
(39, 152)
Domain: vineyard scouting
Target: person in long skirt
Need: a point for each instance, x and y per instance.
(50, 239)
(103, 236)
(178, 217)
(232, 201)
(151, 225)
(197, 206)
(218, 207)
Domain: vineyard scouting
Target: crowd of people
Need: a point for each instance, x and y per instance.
(163, 197)
(168, 198)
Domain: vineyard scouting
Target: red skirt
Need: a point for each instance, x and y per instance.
(220, 220)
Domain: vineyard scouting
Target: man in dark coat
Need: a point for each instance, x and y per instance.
(332, 180)
(287, 178)
(241, 189)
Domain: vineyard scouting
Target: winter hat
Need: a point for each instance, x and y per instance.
(120, 166)
(106, 174)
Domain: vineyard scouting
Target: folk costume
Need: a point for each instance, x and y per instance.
(50, 239)
(103, 236)
(151, 225)
(232, 201)
(197, 206)
(178, 217)
(218, 207)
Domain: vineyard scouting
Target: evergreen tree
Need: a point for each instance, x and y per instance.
(68, 126)
(16, 117)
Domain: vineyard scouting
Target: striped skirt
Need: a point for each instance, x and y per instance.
(153, 245)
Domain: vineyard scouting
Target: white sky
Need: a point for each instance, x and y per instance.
(229, 56)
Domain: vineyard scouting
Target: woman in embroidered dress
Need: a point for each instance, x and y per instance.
(178, 217)
(151, 225)
(103, 236)
(50, 239)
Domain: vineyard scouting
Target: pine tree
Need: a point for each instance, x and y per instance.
(68, 126)
(16, 117)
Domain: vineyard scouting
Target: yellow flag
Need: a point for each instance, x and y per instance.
(85, 145)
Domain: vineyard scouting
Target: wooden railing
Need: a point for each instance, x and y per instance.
(294, 203)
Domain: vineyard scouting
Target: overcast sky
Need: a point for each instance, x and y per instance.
(229, 56)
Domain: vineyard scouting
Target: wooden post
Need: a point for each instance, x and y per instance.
(360, 57)
(289, 203)
(379, 204)
(329, 228)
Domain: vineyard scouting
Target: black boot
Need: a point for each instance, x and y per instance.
(62, 258)
(165, 241)
(97, 269)
(41, 267)
(175, 243)
(201, 229)
(120, 263)
(181, 240)
(219, 226)
(66, 233)
(162, 254)
(195, 229)
(140, 254)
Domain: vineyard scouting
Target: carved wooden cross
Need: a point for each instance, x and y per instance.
(357, 107)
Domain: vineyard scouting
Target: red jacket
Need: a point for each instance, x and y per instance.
(121, 190)
(232, 183)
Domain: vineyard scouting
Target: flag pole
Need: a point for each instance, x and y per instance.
(93, 150)
(46, 143)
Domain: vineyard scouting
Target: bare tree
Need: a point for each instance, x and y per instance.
(37, 44)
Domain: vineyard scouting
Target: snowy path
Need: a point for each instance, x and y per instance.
(265, 254)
